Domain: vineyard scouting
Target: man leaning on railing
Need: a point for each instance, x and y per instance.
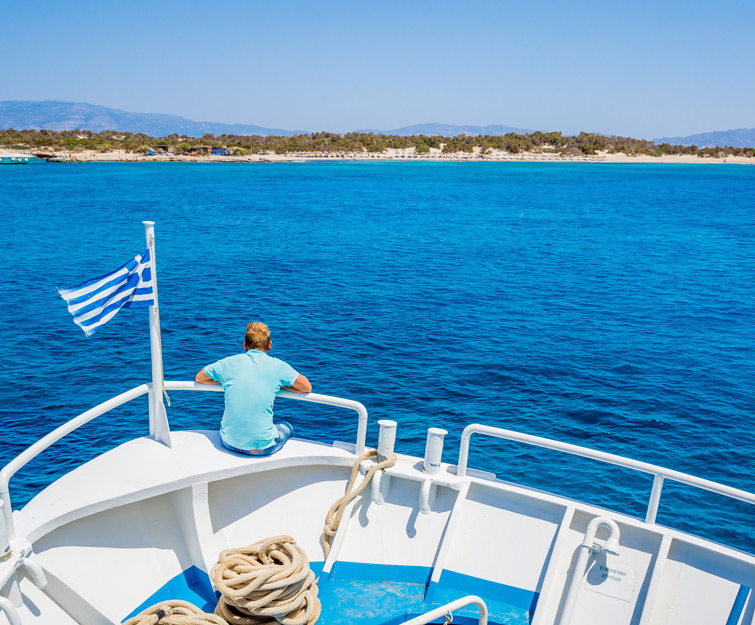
(250, 382)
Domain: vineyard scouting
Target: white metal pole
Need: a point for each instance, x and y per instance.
(434, 450)
(655, 499)
(5, 552)
(158, 417)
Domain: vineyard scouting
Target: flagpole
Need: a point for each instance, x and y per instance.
(158, 417)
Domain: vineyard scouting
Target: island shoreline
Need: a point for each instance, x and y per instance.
(121, 156)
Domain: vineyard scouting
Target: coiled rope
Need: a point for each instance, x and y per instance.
(335, 514)
(174, 612)
(268, 582)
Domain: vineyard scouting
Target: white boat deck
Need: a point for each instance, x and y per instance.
(155, 516)
(143, 468)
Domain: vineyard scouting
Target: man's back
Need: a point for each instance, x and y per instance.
(250, 381)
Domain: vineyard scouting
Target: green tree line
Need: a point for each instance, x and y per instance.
(42, 141)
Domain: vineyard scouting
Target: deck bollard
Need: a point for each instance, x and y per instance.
(4, 540)
(434, 450)
(386, 439)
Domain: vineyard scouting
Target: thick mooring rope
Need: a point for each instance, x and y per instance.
(335, 514)
(174, 612)
(267, 582)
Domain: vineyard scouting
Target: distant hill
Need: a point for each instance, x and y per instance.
(53, 115)
(740, 138)
(447, 130)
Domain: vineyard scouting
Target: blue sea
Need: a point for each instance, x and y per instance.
(610, 306)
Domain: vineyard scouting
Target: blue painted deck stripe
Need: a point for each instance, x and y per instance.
(380, 572)
(518, 597)
(739, 605)
(192, 585)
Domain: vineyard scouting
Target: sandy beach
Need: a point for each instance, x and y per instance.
(390, 154)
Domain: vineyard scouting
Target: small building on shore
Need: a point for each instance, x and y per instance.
(208, 150)
(160, 148)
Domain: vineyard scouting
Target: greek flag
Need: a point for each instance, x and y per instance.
(95, 302)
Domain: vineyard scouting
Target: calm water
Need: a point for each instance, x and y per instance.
(610, 306)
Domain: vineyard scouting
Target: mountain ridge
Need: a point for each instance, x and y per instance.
(737, 138)
(58, 115)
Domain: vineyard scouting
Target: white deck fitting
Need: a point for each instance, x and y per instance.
(636, 552)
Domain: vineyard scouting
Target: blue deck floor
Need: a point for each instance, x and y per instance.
(371, 594)
(389, 595)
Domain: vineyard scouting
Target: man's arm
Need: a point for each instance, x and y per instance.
(300, 385)
(203, 378)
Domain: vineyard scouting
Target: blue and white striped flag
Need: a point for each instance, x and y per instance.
(95, 302)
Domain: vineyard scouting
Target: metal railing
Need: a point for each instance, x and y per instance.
(443, 610)
(314, 398)
(659, 473)
(26, 456)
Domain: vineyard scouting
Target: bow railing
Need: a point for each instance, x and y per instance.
(659, 473)
(26, 456)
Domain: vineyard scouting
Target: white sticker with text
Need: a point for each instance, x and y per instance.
(611, 579)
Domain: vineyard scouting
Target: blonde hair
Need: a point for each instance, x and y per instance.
(257, 336)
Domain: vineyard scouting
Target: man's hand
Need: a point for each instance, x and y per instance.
(203, 378)
(300, 385)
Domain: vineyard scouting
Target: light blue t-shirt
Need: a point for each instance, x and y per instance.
(250, 382)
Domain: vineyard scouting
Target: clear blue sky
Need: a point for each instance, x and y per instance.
(640, 68)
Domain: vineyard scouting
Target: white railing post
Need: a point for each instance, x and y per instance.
(158, 417)
(10, 528)
(329, 400)
(361, 429)
(7, 608)
(5, 552)
(655, 499)
(466, 435)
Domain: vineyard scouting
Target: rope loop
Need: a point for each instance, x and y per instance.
(335, 514)
(175, 612)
